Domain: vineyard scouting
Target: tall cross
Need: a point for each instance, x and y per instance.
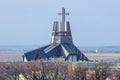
(63, 14)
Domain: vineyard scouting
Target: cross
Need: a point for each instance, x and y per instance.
(63, 14)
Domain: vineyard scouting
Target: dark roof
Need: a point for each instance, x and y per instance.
(55, 51)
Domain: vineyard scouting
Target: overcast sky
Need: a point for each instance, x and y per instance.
(30, 22)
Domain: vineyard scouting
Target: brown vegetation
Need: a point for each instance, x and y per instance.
(54, 71)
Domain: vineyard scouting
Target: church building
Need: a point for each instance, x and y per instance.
(61, 45)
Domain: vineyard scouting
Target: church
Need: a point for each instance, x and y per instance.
(61, 45)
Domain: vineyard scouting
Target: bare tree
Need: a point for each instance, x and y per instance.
(13, 70)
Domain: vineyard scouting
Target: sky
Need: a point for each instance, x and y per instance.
(30, 22)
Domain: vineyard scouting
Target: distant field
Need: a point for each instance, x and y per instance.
(103, 56)
(17, 56)
(11, 56)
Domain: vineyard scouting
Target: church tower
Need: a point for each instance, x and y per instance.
(61, 45)
(61, 32)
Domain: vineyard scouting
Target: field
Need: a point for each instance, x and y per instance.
(103, 56)
(6, 56)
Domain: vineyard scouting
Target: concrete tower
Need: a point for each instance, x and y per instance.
(61, 32)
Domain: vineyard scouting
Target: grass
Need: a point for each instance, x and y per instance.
(103, 54)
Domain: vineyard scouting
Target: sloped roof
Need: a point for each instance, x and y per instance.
(54, 51)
